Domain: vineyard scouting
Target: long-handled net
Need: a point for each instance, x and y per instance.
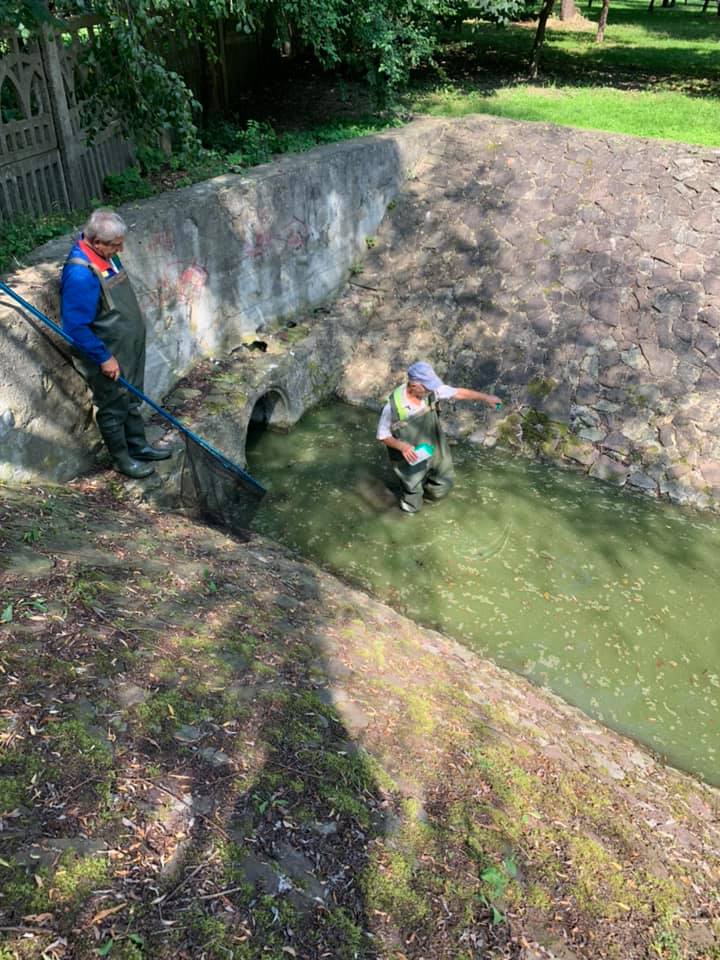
(214, 486)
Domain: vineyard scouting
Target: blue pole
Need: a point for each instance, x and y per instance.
(228, 464)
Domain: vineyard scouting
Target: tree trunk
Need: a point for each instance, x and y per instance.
(568, 10)
(602, 22)
(705, 6)
(651, 8)
(545, 12)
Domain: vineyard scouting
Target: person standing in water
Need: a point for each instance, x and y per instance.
(410, 419)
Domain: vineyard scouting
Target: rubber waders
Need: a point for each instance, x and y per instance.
(113, 433)
(430, 479)
(120, 326)
(138, 447)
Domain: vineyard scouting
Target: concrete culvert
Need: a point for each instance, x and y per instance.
(269, 412)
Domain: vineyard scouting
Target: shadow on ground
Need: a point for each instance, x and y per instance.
(182, 775)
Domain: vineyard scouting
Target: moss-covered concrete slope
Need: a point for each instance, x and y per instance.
(212, 749)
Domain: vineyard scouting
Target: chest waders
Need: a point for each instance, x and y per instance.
(120, 325)
(432, 478)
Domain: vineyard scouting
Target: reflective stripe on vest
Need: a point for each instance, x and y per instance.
(399, 413)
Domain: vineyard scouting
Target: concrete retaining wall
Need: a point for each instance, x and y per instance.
(212, 265)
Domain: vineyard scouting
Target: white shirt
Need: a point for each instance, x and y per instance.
(413, 407)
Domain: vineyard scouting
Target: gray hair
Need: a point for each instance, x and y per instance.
(105, 226)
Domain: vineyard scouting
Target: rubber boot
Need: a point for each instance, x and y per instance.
(114, 437)
(138, 447)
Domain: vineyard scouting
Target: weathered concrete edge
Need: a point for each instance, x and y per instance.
(212, 265)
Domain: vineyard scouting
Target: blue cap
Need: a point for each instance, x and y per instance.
(423, 373)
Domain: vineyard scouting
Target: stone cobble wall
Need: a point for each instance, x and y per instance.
(575, 273)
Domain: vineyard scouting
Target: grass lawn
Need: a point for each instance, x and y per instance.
(666, 115)
(656, 75)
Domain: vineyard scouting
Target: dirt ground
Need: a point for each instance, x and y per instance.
(212, 749)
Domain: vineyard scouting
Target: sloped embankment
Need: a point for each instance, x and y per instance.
(211, 748)
(576, 274)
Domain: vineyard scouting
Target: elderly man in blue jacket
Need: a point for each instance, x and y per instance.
(100, 312)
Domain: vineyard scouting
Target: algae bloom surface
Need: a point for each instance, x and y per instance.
(609, 599)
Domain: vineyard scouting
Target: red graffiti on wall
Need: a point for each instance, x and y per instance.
(261, 243)
(296, 234)
(180, 282)
(191, 282)
(292, 236)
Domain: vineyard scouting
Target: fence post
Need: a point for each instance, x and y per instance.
(68, 142)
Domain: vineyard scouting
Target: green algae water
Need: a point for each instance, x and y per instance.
(609, 599)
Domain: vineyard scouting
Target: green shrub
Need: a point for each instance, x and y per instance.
(126, 186)
(22, 234)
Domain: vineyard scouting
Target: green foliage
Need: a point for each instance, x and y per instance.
(24, 15)
(19, 771)
(63, 888)
(76, 877)
(124, 69)
(534, 426)
(391, 887)
(23, 234)
(656, 63)
(541, 387)
(129, 949)
(125, 186)
(242, 147)
(213, 935)
(496, 879)
(666, 946)
(669, 115)
(79, 750)
(350, 935)
(163, 713)
(83, 587)
(257, 143)
(21, 893)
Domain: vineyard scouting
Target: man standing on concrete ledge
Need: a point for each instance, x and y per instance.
(410, 429)
(100, 312)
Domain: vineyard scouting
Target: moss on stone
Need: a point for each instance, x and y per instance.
(540, 388)
(509, 430)
(390, 886)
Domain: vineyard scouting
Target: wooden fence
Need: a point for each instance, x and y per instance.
(46, 161)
